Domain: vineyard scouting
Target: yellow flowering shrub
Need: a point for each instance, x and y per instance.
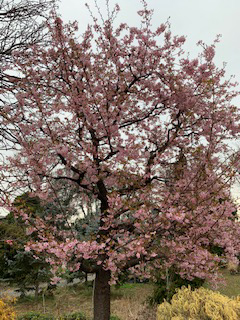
(200, 304)
(6, 310)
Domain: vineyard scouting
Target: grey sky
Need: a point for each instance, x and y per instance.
(196, 19)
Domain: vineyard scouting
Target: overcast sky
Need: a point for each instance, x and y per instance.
(195, 19)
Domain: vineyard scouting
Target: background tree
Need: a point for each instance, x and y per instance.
(22, 23)
(18, 266)
(9, 234)
(23, 268)
(109, 117)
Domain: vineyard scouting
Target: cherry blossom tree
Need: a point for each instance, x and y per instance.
(128, 119)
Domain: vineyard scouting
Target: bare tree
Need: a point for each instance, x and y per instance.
(22, 22)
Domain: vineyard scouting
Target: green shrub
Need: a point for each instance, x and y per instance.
(35, 316)
(200, 304)
(73, 316)
(162, 291)
(114, 317)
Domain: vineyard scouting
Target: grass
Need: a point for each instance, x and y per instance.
(65, 299)
(232, 287)
(127, 302)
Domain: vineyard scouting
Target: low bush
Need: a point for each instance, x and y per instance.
(35, 316)
(6, 311)
(114, 318)
(200, 304)
(162, 291)
(73, 316)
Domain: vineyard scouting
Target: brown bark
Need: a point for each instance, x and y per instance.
(102, 295)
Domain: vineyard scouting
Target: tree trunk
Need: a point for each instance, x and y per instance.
(101, 297)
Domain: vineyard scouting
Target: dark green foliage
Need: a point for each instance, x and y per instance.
(216, 250)
(28, 272)
(114, 318)
(163, 291)
(35, 316)
(235, 215)
(16, 265)
(9, 231)
(123, 277)
(86, 227)
(30, 205)
(74, 316)
(70, 276)
(128, 277)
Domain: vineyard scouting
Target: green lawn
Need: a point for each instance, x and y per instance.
(232, 287)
